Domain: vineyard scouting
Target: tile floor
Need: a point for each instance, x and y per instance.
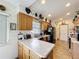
(61, 51)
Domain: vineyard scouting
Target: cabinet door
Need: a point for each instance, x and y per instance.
(25, 53)
(24, 22)
(20, 51)
(29, 21)
(44, 25)
(33, 55)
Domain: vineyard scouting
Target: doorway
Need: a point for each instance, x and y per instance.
(64, 32)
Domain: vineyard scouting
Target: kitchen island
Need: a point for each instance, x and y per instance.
(35, 49)
(75, 48)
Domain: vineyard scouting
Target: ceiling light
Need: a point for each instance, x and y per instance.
(43, 1)
(68, 14)
(49, 15)
(68, 4)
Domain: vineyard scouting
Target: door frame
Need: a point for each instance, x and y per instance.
(67, 30)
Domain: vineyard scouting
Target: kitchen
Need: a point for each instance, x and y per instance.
(33, 32)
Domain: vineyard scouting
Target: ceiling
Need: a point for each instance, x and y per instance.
(26, 3)
(57, 8)
(54, 7)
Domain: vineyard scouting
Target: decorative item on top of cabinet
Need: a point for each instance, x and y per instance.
(36, 14)
(40, 16)
(24, 21)
(27, 10)
(2, 8)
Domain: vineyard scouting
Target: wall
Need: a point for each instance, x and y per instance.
(69, 22)
(9, 50)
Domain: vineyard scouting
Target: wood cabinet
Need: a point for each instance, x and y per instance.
(33, 55)
(24, 21)
(25, 53)
(20, 51)
(44, 25)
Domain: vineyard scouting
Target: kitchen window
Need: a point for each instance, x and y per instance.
(36, 27)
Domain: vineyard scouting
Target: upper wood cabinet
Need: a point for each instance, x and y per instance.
(44, 25)
(76, 21)
(24, 21)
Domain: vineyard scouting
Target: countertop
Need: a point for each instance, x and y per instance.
(74, 40)
(41, 48)
(43, 36)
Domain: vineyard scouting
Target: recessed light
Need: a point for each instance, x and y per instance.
(68, 14)
(43, 1)
(49, 15)
(68, 4)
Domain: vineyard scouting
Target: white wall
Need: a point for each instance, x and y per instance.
(9, 51)
(71, 26)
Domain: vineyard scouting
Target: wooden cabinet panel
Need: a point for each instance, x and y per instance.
(25, 56)
(44, 25)
(25, 53)
(33, 55)
(20, 51)
(24, 22)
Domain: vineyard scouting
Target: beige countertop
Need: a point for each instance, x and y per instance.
(74, 40)
(41, 48)
(43, 36)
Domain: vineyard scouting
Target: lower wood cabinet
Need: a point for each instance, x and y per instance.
(33, 55)
(20, 51)
(25, 53)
